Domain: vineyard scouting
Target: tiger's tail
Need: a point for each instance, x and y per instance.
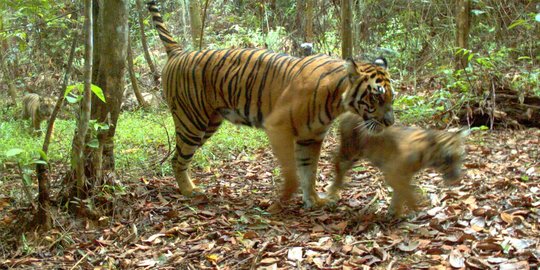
(166, 38)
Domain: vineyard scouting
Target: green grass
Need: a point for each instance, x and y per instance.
(141, 142)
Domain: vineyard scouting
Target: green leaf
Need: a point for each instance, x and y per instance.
(27, 180)
(477, 12)
(39, 161)
(94, 143)
(43, 155)
(98, 92)
(13, 152)
(70, 88)
(73, 98)
(524, 178)
(516, 23)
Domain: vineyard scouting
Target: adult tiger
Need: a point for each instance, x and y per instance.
(293, 99)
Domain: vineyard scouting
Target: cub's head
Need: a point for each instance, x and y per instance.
(370, 93)
(46, 106)
(448, 154)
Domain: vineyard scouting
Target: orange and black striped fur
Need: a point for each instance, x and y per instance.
(37, 109)
(399, 152)
(293, 99)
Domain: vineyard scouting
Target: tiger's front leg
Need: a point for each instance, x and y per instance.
(307, 157)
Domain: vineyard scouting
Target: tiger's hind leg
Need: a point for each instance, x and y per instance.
(188, 139)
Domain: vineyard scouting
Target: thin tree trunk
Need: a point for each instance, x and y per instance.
(196, 24)
(309, 21)
(96, 29)
(201, 37)
(144, 43)
(77, 153)
(132, 77)
(346, 29)
(12, 91)
(299, 19)
(43, 217)
(463, 23)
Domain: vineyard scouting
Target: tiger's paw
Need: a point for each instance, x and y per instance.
(333, 196)
(315, 201)
(192, 191)
(275, 208)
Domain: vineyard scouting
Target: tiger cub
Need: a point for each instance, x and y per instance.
(37, 108)
(399, 152)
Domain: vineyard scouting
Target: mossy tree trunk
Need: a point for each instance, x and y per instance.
(346, 29)
(196, 24)
(113, 52)
(463, 26)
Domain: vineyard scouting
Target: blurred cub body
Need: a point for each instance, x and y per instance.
(399, 152)
(37, 109)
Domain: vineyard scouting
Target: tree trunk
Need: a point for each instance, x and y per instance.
(133, 78)
(144, 43)
(78, 144)
(299, 22)
(346, 29)
(96, 29)
(8, 77)
(12, 91)
(113, 55)
(196, 24)
(463, 23)
(309, 21)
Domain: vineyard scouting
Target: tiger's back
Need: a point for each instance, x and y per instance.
(245, 85)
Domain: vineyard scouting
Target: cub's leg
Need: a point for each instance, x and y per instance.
(342, 164)
(307, 156)
(282, 142)
(403, 192)
(190, 135)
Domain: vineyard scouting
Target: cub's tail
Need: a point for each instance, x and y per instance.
(171, 46)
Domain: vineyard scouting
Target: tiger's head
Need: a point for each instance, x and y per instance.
(46, 106)
(448, 154)
(370, 94)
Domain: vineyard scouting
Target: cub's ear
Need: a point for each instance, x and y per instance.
(350, 66)
(381, 62)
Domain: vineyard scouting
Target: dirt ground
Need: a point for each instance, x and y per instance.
(490, 221)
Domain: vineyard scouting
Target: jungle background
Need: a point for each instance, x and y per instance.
(98, 191)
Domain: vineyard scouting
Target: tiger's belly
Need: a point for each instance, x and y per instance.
(237, 117)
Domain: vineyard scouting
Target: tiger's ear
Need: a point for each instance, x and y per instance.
(381, 62)
(350, 66)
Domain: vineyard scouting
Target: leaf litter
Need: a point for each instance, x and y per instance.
(489, 221)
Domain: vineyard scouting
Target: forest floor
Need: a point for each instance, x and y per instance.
(490, 221)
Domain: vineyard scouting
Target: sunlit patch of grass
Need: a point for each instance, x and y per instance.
(143, 139)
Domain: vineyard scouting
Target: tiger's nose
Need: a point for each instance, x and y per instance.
(388, 118)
